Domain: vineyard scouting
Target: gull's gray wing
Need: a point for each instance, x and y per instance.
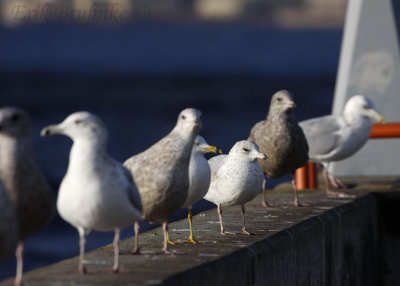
(216, 162)
(322, 134)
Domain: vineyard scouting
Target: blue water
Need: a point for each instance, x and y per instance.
(138, 77)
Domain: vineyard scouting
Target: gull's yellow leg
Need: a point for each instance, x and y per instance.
(169, 241)
(191, 238)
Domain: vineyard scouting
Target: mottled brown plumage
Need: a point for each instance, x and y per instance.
(162, 171)
(24, 182)
(280, 138)
(8, 226)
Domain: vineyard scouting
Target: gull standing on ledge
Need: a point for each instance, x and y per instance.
(25, 184)
(97, 192)
(337, 137)
(162, 173)
(199, 177)
(236, 179)
(282, 139)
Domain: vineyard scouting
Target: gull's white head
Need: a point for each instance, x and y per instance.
(189, 121)
(14, 122)
(247, 150)
(281, 102)
(201, 146)
(79, 125)
(361, 106)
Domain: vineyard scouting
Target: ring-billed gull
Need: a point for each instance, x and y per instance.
(337, 137)
(236, 178)
(97, 192)
(25, 184)
(199, 177)
(162, 173)
(8, 225)
(281, 138)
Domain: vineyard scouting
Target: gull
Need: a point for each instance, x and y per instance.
(236, 179)
(282, 139)
(199, 177)
(97, 192)
(337, 137)
(24, 183)
(162, 173)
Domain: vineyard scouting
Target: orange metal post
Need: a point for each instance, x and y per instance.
(385, 130)
(301, 178)
(312, 175)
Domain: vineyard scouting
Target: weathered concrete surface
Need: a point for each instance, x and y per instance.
(333, 242)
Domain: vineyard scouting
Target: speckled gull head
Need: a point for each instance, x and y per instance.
(361, 106)
(282, 101)
(247, 150)
(14, 122)
(189, 121)
(80, 125)
(201, 146)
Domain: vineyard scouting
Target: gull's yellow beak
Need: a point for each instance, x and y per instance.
(380, 118)
(213, 149)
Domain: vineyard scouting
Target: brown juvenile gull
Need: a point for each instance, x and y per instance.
(25, 184)
(282, 139)
(8, 225)
(97, 192)
(337, 137)
(162, 173)
(236, 179)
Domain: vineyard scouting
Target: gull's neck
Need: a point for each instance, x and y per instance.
(87, 149)
(13, 150)
(184, 133)
(356, 121)
(276, 116)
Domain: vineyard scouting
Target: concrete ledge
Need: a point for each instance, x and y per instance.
(334, 242)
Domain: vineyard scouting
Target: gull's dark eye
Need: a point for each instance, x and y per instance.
(183, 117)
(366, 106)
(78, 121)
(279, 99)
(15, 118)
(246, 150)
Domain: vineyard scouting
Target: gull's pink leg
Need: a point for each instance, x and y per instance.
(136, 228)
(82, 244)
(221, 222)
(243, 211)
(328, 190)
(19, 253)
(165, 231)
(264, 202)
(296, 202)
(116, 251)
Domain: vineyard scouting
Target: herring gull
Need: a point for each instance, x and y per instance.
(25, 184)
(236, 179)
(282, 139)
(337, 137)
(97, 192)
(162, 173)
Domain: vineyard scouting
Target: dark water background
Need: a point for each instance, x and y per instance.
(137, 78)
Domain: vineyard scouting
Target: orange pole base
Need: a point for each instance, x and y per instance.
(301, 178)
(307, 177)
